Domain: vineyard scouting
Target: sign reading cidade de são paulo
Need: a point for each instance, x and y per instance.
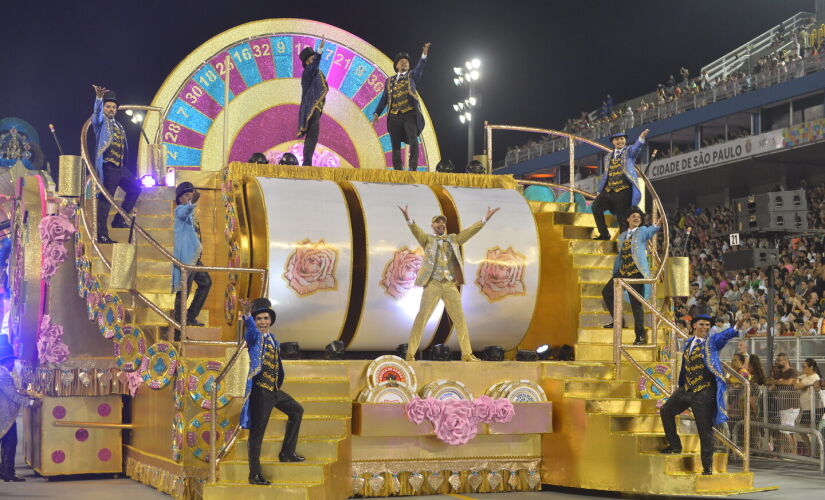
(717, 154)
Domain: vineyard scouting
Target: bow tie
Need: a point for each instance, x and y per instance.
(442, 237)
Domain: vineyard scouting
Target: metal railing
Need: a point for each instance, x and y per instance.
(185, 268)
(780, 417)
(658, 111)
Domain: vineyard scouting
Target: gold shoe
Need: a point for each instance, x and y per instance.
(409, 359)
(470, 357)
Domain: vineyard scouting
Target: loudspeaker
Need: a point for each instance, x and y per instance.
(775, 201)
(772, 221)
(746, 259)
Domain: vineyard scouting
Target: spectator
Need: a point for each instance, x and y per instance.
(783, 402)
(809, 397)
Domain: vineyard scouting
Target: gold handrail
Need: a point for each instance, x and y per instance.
(185, 268)
(625, 284)
(215, 455)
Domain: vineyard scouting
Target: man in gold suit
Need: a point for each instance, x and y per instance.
(441, 272)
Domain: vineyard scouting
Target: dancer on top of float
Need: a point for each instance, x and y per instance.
(619, 186)
(702, 385)
(263, 388)
(405, 120)
(313, 97)
(440, 274)
(632, 263)
(110, 162)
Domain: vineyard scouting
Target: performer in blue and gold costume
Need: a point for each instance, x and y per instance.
(619, 186)
(263, 389)
(110, 162)
(405, 120)
(702, 386)
(314, 90)
(441, 273)
(632, 263)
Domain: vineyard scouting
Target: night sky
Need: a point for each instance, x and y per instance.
(543, 61)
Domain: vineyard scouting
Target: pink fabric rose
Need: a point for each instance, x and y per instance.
(484, 409)
(50, 346)
(56, 228)
(416, 410)
(434, 410)
(457, 425)
(504, 410)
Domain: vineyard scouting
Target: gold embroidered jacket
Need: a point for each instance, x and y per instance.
(430, 244)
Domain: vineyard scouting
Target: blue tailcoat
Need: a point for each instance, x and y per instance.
(255, 344)
(638, 247)
(313, 89)
(386, 98)
(188, 246)
(628, 155)
(710, 354)
(104, 130)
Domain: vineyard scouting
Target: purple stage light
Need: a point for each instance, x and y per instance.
(148, 181)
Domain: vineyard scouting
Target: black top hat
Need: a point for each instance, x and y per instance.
(634, 210)
(183, 188)
(618, 134)
(304, 55)
(263, 305)
(6, 350)
(110, 96)
(399, 56)
(700, 311)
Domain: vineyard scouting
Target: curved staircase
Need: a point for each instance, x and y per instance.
(606, 436)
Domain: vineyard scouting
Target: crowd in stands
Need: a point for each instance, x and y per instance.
(781, 394)
(676, 96)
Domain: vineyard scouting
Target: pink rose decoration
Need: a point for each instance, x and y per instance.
(434, 410)
(50, 346)
(400, 272)
(504, 410)
(457, 425)
(416, 410)
(502, 274)
(311, 267)
(484, 408)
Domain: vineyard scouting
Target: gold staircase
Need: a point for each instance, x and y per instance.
(606, 436)
(322, 388)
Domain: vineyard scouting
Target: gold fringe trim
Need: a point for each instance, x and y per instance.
(237, 171)
(396, 477)
(179, 487)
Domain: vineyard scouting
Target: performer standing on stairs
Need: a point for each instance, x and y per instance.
(189, 249)
(263, 389)
(441, 272)
(702, 386)
(619, 186)
(110, 162)
(405, 120)
(632, 263)
(313, 97)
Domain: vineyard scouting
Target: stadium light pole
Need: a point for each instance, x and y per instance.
(467, 75)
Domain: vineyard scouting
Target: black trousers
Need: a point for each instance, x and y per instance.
(703, 404)
(8, 447)
(261, 402)
(617, 203)
(311, 137)
(635, 305)
(403, 128)
(204, 282)
(113, 177)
